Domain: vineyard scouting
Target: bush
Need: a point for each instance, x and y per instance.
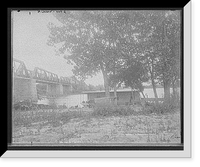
(28, 118)
(160, 108)
(54, 118)
(111, 110)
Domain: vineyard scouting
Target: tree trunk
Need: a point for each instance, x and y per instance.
(153, 82)
(106, 84)
(166, 91)
(115, 94)
(173, 88)
(143, 95)
(115, 87)
(154, 88)
(154, 91)
(143, 101)
(132, 97)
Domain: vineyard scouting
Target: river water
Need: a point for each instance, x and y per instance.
(69, 101)
(77, 99)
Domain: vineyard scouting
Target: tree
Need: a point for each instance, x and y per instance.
(92, 38)
(78, 85)
(105, 40)
(99, 87)
(133, 74)
(170, 57)
(91, 87)
(160, 48)
(141, 47)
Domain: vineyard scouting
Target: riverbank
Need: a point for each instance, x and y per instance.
(81, 126)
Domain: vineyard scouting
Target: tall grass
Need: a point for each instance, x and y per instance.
(53, 117)
(164, 107)
(111, 110)
(120, 110)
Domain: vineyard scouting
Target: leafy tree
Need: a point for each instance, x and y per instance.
(133, 74)
(160, 48)
(91, 87)
(78, 85)
(169, 66)
(115, 42)
(93, 39)
(137, 47)
(99, 87)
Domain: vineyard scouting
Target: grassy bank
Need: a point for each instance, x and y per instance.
(108, 124)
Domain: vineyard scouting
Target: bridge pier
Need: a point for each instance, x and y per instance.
(67, 89)
(59, 89)
(33, 90)
(24, 89)
(51, 89)
(54, 89)
(24, 82)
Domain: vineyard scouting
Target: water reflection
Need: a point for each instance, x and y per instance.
(69, 101)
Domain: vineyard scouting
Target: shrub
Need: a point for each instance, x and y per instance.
(160, 108)
(111, 110)
(52, 117)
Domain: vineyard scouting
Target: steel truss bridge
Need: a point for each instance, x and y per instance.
(41, 75)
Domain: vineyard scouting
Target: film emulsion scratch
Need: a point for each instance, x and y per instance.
(96, 77)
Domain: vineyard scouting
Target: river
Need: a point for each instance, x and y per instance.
(69, 100)
(77, 99)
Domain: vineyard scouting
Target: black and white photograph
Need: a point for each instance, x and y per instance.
(97, 79)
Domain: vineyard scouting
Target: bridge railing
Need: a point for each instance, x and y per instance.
(65, 80)
(45, 75)
(19, 69)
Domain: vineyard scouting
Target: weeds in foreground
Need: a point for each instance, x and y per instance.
(119, 123)
(116, 110)
(112, 110)
(55, 117)
(50, 117)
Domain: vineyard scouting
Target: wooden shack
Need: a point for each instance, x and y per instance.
(124, 96)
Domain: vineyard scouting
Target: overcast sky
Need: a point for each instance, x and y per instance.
(30, 35)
